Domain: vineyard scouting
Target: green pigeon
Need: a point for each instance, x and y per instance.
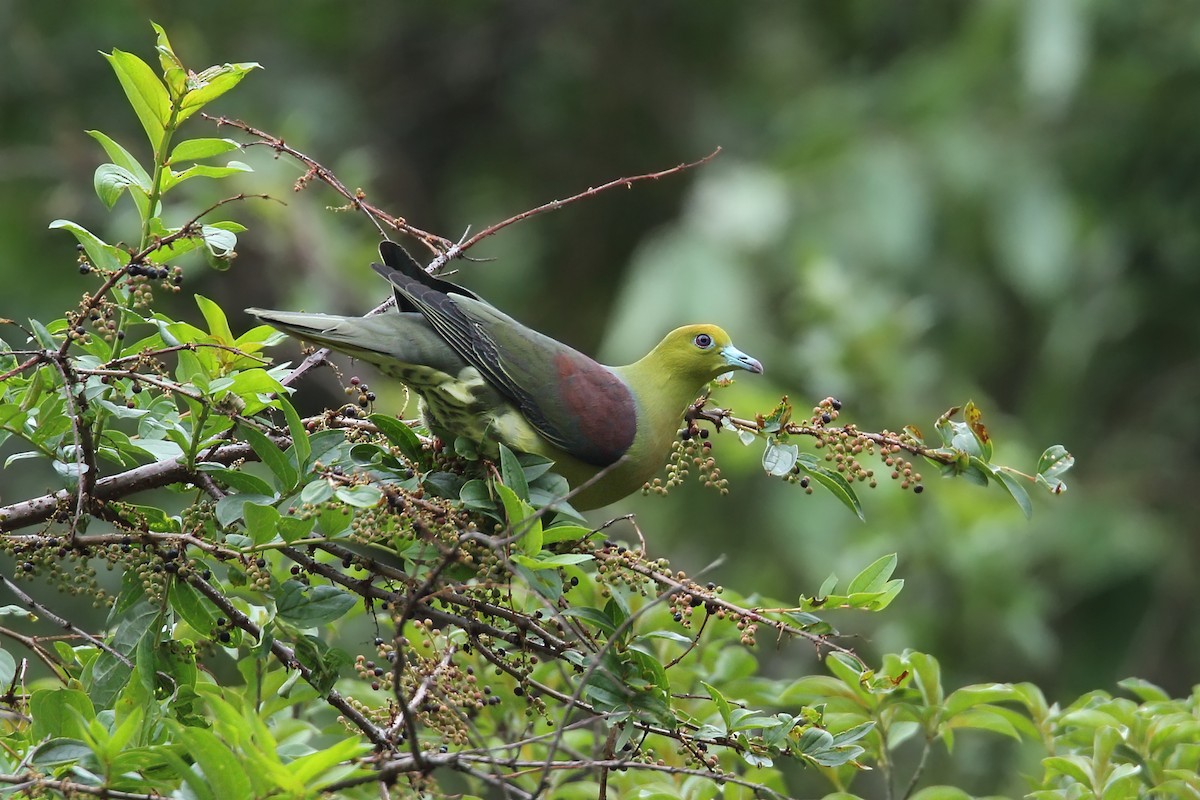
(484, 376)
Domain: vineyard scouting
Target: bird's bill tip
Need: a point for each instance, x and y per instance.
(736, 358)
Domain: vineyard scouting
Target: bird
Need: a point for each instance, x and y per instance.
(482, 375)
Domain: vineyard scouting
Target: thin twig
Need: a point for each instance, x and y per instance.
(554, 205)
(63, 623)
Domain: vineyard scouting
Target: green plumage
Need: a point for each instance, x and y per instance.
(484, 376)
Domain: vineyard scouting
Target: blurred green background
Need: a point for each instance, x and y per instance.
(917, 204)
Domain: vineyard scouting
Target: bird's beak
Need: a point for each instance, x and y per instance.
(736, 358)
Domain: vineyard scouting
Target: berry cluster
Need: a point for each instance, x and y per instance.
(692, 450)
(361, 392)
(140, 282)
(845, 447)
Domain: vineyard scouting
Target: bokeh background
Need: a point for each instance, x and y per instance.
(917, 204)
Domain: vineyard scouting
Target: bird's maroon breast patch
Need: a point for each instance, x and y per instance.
(600, 406)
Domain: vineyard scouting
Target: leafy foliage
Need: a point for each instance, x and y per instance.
(512, 642)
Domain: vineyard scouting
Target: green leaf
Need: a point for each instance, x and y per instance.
(294, 528)
(1144, 690)
(59, 751)
(476, 495)
(270, 454)
(236, 479)
(223, 771)
(123, 158)
(251, 386)
(928, 676)
(196, 149)
(214, 315)
(1076, 767)
(60, 713)
(984, 718)
(146, 93)
(595, 616)
(512, 474)
(109, 674)
(100, 253)
(8, 667)
(363, 496)
(173, 71)
(516, 511)
(262, 522)
(195, 610)
(565, 533)
(941, 793)
(874, 577)
(835, 483)
(329, 759)
(723, 706)
(552, 561)
(213, 82)
(218, 239)
(1054, 462)
(308, 607)
(300, 443)
(316, 491)
(398, 434)
(978, 694)
(1015, 490)
(110, 181)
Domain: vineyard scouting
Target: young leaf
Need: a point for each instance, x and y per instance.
(171, 179)
(516, 511)
(145, 91)
(874, 577)
(173, 70)
(110, 181)
(223, 772)
(122, 158)
(1053, 463)
(212, 83)
(196, 149)
(214, 315)
(983, 439)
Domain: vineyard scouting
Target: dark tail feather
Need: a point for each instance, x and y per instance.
(406, 274)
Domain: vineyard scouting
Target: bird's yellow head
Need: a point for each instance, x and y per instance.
(701, 352)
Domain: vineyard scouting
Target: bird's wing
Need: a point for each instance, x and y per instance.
(577, 404)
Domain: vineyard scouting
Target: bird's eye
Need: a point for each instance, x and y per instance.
(703, 341)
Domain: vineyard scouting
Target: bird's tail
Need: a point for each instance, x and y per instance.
(367, 338)
(391, 341)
